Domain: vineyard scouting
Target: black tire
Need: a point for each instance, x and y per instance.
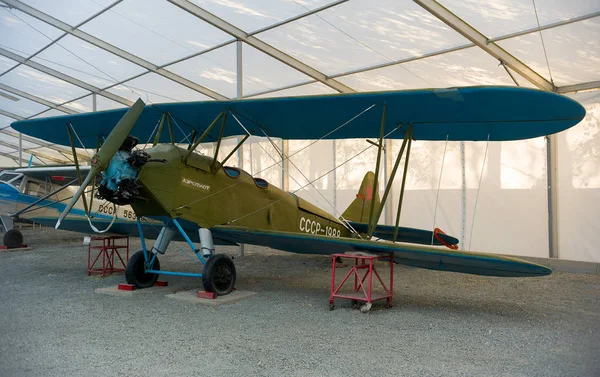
(13, 239)
(134, 273)
(219, 275)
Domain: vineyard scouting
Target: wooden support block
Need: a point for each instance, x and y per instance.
(208, 295)
(161, 283)
(126, 287)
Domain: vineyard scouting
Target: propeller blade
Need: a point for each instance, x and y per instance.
(110, 147)
(117, 136)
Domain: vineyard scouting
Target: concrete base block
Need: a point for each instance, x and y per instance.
(191, 296)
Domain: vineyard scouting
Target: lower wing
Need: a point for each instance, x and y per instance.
(428, 257)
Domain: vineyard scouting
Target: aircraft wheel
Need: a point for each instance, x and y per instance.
(13, 239)
(219, 275)
(134, 273)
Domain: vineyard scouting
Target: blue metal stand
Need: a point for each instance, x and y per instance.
(149, 259)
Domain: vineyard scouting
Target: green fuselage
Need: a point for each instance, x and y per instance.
(189, 190)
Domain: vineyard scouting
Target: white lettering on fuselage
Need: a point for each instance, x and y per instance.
(314, 227)
(201, 186)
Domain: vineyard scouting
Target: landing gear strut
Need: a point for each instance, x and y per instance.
(143, 268)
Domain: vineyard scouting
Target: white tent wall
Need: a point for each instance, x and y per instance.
(309, 167)
(579, 184)
(509, 213)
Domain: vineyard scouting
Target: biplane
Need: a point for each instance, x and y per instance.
(192, 193)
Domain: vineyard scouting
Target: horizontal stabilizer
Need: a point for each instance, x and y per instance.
(432, 258)
(410, 235)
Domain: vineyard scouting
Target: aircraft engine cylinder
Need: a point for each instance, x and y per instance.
(206, 242)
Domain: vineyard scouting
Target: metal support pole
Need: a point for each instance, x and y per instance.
(334, 178)
(20, 150)
(240, 94)
(240, 76)
(463, 190)
(94, 102)
(551, 161)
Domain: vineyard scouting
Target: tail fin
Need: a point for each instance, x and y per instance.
(360, 208)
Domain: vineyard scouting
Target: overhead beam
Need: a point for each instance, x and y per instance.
(37, 153)
(10, 132)
(485, 44)
(37, 99)
(11, 115)
(62, 76)
(260, 45)
(297, 17)
(578, 87)
(112, 49)
(546, 27)
(16, 159)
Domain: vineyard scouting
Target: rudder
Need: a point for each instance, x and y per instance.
(359, 209)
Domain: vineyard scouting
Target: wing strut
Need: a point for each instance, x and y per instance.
(201, 138)
(403, 182)
(214, 161)
(373, 220)
(160, 128)
(406, 144)
(407, 141)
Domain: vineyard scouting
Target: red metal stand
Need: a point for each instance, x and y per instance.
(108, 249)
(360, 292)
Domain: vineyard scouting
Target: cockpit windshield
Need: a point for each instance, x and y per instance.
(10, 178)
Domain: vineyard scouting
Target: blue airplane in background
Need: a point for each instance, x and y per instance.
(39, 195)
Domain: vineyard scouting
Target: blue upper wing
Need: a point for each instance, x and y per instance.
(412, 255)
(470, 113)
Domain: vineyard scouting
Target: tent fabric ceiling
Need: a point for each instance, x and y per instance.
(54, 55)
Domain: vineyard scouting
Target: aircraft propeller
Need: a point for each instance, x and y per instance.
(110, 147)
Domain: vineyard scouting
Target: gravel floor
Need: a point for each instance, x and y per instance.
(442, 324)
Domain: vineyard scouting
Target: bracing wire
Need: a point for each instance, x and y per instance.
(295, 191)
(280, 164)
(286, 158)
(437, 197)
(478, 190)
(344, 222)
(152, 133)
(542, 39)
